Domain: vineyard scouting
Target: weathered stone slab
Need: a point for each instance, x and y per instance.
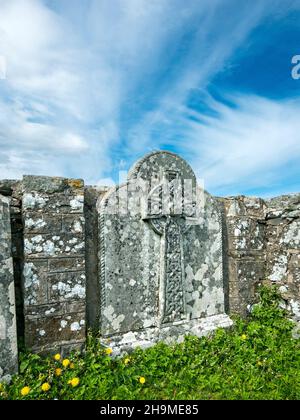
(8, 332)
(245, 234)
(54, 281)
(283, 249)
(245, 249)
(91, 196)
(161, 255)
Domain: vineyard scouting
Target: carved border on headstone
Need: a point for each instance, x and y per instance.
(102, 263)
(101, 206)
(220, 242)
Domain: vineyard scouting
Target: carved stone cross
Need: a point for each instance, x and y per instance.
(167, 210)
(160, 255)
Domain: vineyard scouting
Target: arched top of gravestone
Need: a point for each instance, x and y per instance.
(156, 163)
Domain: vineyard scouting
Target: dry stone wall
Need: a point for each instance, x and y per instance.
(283, 248)
(66, 263)
(263, 247)
(54, 263)
(245, 250)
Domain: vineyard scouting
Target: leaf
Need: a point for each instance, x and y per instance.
(24, 365)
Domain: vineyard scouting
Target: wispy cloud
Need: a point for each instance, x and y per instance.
(247, 145)
(92, 82)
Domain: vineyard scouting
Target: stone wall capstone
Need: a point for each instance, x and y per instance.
(8, 332)
(54, 263)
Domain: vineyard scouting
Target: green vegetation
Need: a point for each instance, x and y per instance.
(256, 359)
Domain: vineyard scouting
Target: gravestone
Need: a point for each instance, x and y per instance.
(161, 256)
(8, 331)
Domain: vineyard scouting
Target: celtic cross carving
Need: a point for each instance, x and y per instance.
(167, 211)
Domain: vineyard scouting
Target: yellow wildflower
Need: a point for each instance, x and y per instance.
(25, 391)
(72, 366)
(65, 363)
(142, 380)
(243, 337)
(126, 361)
(58, 372)
(74, 382)
(45, 387)
(56, 357)
(108, 351)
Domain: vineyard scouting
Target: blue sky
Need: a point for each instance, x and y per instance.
(92, 85)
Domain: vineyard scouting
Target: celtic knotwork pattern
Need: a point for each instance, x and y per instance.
(173, 304)
(170, 211)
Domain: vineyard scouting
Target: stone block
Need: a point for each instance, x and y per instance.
(290, 236)
(59, 265)
(245, 234)
(35, 284)
(277, 265)
(42, 223)
(56, 203)
(73, 223)
(47, 310)
(53, 245)
(66, 286)
(51, 185)
(50, 331)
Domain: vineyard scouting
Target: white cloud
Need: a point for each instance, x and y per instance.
(2, 67)
(247, 146)
(219, 32)
(106, 182)
(44, 106)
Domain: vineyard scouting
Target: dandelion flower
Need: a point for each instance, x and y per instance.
(58, 372)
(25, 391)
(56, 357)
(126, 361)
(45, 387)
(74, 382)
(243, 337)
(66, 363)
(108, 351)
(142, 380)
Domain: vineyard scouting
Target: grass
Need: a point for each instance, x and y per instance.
(256, 359)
